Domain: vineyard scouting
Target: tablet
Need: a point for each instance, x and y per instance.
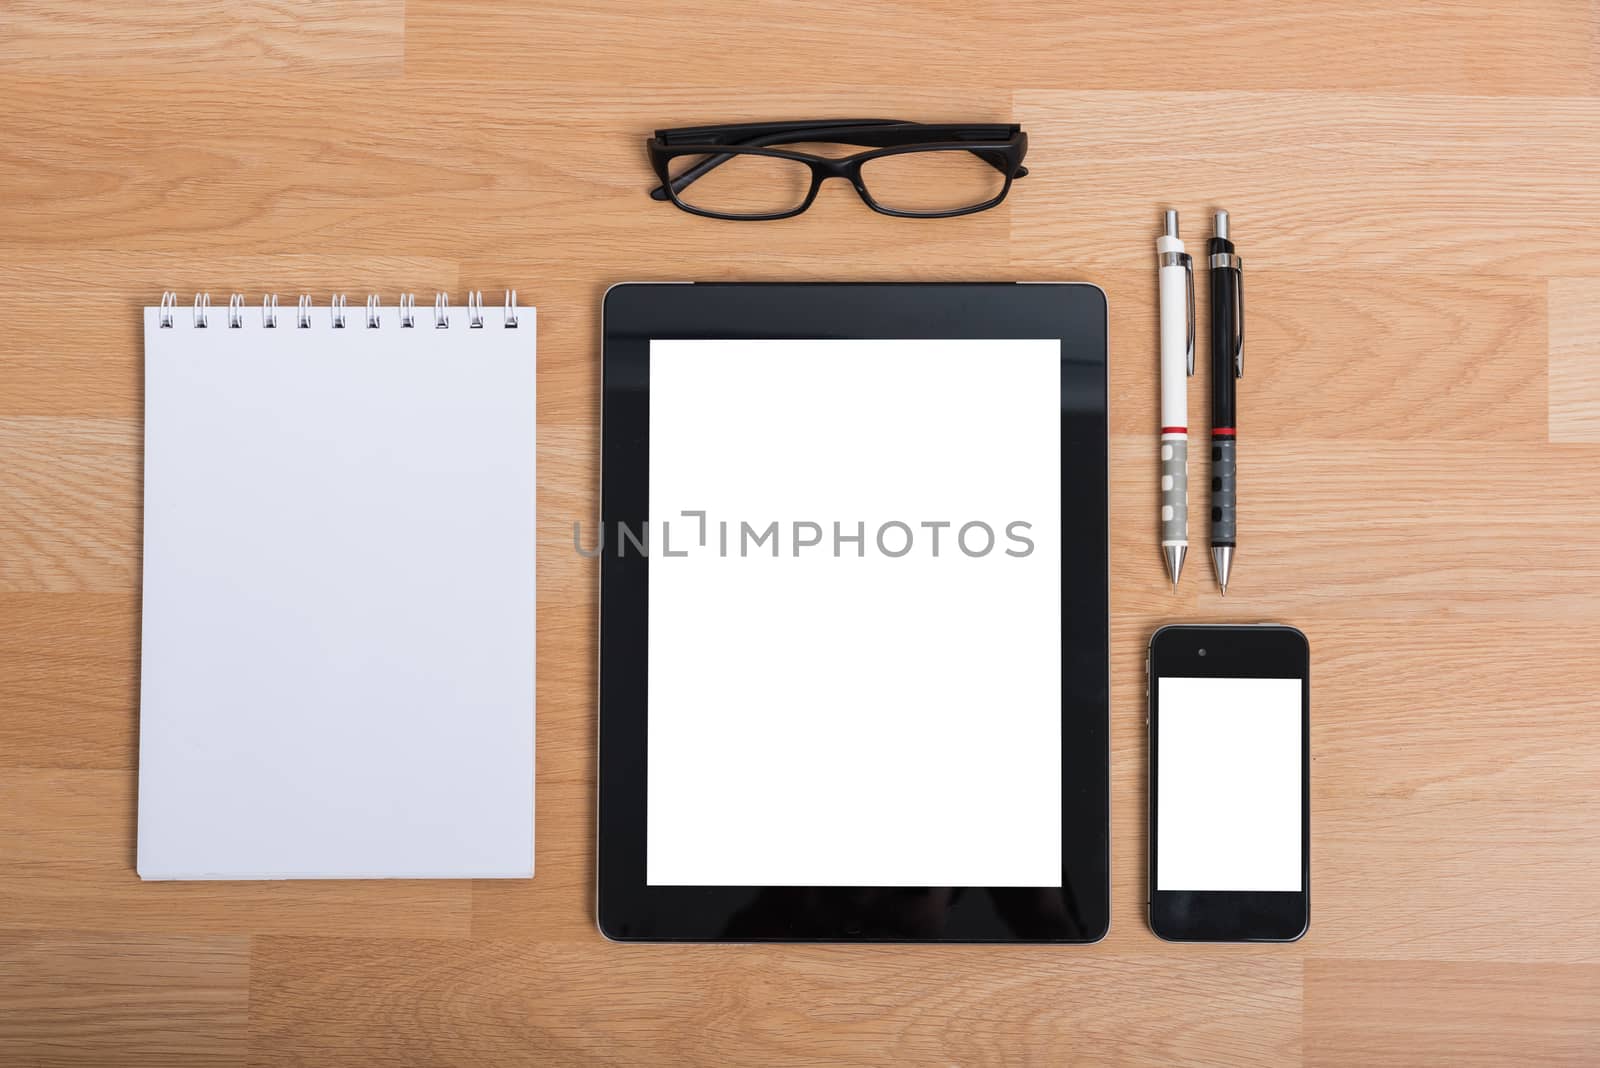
(853, 613)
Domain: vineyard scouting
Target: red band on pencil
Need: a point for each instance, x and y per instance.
(1174, 430)
(1222, 432)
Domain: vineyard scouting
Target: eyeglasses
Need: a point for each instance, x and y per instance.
(911, 169)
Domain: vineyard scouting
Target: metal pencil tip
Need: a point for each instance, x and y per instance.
(1222, 559)
(1174, 555)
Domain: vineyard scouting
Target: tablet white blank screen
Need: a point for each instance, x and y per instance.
(854, 713)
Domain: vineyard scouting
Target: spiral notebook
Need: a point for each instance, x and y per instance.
(338, 633)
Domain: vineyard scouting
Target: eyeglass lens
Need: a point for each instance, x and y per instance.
(744, 184)
(931, 182)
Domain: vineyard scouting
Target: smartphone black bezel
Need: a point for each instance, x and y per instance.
(1261, 651)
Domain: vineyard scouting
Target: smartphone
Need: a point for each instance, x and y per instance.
(1230, 783)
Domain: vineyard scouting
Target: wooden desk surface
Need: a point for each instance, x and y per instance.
(1416, 189)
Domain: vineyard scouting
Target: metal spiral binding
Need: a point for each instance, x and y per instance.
(337, 310)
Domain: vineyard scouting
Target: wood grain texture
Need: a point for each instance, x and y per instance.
(504, 1002)
(74, 999)
(1477, 344)
(1414, 194)
(71, 662)
(218, 38)
(1574, 318)
(1423, 183)
(69, 504)
(68, 842)
(1454, 1013)
(1115, 44)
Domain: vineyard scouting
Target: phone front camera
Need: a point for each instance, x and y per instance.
(1202, 652)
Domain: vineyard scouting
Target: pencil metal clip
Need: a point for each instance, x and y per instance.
(1188, 278)
(1186, 261)
(1238, 318)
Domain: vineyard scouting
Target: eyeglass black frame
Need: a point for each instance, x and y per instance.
(1001, 145)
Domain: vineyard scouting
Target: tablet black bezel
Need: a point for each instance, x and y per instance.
(628, 909)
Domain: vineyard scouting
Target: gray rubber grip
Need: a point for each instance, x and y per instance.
(1174, 491)
(1224, 491)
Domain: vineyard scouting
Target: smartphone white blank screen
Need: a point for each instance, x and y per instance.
(881, 712)
(1228, 784)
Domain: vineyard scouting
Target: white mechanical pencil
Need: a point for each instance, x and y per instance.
(1175, 274)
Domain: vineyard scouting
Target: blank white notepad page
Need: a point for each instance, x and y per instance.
(338, 639)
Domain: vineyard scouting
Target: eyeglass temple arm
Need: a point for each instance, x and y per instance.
(848, 131)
